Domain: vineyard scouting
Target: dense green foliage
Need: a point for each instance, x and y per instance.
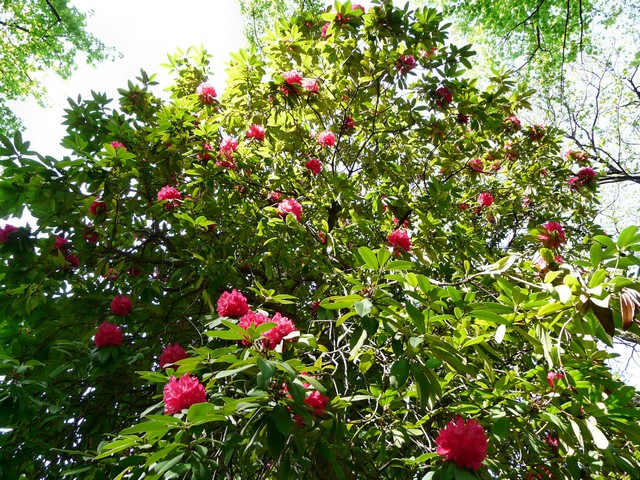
(470, 321)
(39, 36)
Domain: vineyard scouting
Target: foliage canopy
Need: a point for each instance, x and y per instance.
(470, 319)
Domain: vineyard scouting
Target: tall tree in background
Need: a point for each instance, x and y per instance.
(354, 263)
(36, 37)
(581, 56)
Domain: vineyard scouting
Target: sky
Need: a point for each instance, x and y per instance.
(143, 33)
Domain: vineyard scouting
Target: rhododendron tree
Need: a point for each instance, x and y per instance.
(404, 326)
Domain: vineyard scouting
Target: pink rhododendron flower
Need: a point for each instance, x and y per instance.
(257, 132)
(476, 165)
(326, 139)
(443, 97)
(6, 231)
(463, 442)
(283, 327)
(232, 304)
(108, 335)
(463, 206)
(251, 319)
(228, 146)
(399, 239)
(553, 442)
(181, 394)
(310, 85)
(586, 178)
(554, 237)
(552, 377)
(97, 207)
(485, 199)
(121, 305)
(170, 355)
(116, 144)
(512, 123)
(579, 156)
(60, 243)
(406, 63)
(206, 92)
(169, 193)
(314, 165)
(290, 206)
(292, 78)
(325, 27)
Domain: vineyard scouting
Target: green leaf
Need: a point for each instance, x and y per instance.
(282, 419)
(200, 413)
(225, 335)
(369, 258)
(363, 307)
(399, 373)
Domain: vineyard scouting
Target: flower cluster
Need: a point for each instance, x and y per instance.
(205, 155)
(314, 165)
(97, 207)
(552, 377)
(314, 401)
(537, 133)
(62, 244)
(463, 442)
(476, 165)
(206, 92)
(586, 177)
(108, 335)
(116, 144)
(443, 97)
(310, 85)
(171, 195)
(512, 123)
(256, 132)
(326, 139)
(121, 305)
(292, 78)
(406, 63)
(170, 355)
(232, 304)
(485, 199)
(180, 394)
(554, 236)
(399, 239)
(290, 206)
(579, 156)
(6, 231)
(228, 146)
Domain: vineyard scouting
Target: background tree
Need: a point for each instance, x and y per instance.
(39, 36)
(371, 266)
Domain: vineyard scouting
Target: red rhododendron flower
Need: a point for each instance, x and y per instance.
(586, 177)
(310, 85)
(204, 155)
(463, 118)
(443, 97)
(314, 165)
(292, 77)
(181, 394)
(476, 165)
(326, 139)
(207, 92)
(485, 199)
(170, 355)
(512, 123)
(121, 305)
(537, 133)
(232, 304)
(169, 193)
(108, 335)
(463, 442)
(60, 243)
(406, 63)
(274, 196)
(117, 144)
(399, 239)
(552, 376)
(283, 328)
(72, 260)
(90, 235)
(349, 124)
(554, 237)
(97, 207)
(463, 206)
(6, 231)
(553, 442)
(249, 319)
(257, 132)
(317, 402)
